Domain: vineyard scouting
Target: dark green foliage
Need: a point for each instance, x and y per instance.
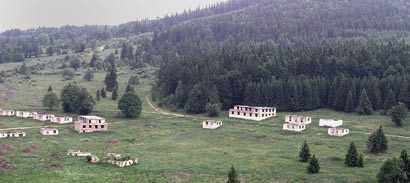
(232, 176)
(94, 59)
(377, 142)
(129, 89)
(68, 73)
(111, 60)
(98, 95)
(398, 114)
(304, 153)
(361, 161)
(213, 110)
(75, 63)
(134, 80)
(313, 166)
(68, 97)
(365, 106)
(406, 161)
(389, 102)
(352, 157)
(197, 100)
(111, 79)
(50, 89)
(51, 100)
(114, 94)
(74, 99)
(130, 105)
(349, 107)
(392, 171)
(103, 93)
(88, 76)
(89, 158)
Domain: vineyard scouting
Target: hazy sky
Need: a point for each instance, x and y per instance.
(34, 13)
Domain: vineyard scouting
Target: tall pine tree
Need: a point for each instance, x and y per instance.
(304, 153)
(365, 106)
(313, 166)
(377, 142)
(111, 79)
(349, 107)
(232, 176)
(352, 157)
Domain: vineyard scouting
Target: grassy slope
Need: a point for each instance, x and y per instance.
(177, 149)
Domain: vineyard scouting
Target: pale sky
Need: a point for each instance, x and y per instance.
(26, 14)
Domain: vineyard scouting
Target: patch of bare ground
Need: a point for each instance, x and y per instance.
(3, 160)
(148, 126)
(50, 165)
(10, 91)
(55, 155)
(6, 146)
(179, 175)
(2, 153)
(27, 150)
(7, 167)
(34, 104)
(111, 142)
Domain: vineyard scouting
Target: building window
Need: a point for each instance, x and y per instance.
(102, 126)
(54, 131)
(256, 115)
(96, 126)
(83, 126)
(250, 114)
(232, 112)
(89, 126)
(89, 121)
(206, 123)
(239, 113)
(99, 121)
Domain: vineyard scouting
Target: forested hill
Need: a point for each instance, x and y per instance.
(295, 55)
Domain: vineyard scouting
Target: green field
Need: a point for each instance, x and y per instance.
(176, 149)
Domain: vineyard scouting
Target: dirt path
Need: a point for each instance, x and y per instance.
(10, 90)
(159, 111)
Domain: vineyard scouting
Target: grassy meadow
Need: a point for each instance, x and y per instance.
(176, 149)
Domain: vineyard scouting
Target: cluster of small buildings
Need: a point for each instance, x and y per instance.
(111, 158)
(83, 124)
(298, 123)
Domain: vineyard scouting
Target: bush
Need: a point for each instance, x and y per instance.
(134, 80)
(130, 105)
(68, 73)
(213, 110)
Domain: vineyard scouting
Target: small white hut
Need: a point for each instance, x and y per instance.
(296, 127)
(4, 112)
(25, 114)
(12, 133)
(338, 131)
(60, 119)
(211, 124)
(49, 131)
(78, 153)
(298, 119)
(330, 122)
(43, 116)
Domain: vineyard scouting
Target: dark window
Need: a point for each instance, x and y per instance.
(232, 112)
(89, 126)
(54, 131)
(102, 126)
(83, 126)
(96, 126)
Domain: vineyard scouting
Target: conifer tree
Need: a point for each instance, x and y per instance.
(365, 106)
(129, 89)
(313, 166)
(389, 102)
(392, 171)
(49, 89)
(398, 114)
(114, 94)
(94, 58)
(349, 107)
(377, 142)
(361, 161)
(103, 93)
(233, 176)
(98, 95)
(404, 157)
(304, 153)
(111, 79)
(352, 157)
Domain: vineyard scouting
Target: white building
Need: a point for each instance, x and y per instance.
(4, 112)
(330, 122)
(49, 131)
(296, 127)
(338, 131)
(60, 119)
(90, 124)
(252, 113)
(25, 114)
(211, 124)
(78, 153)
(43, 116)
(298, 119)
(12, 133)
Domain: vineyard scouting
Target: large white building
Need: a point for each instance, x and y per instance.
(252, 113)
(90, 124)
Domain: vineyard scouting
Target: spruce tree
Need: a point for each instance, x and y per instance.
(103, 93)
(232, 176)
(129, 89)
(98, 95)
(114, 94)
(404, 157)
(49, 89)
(398, 113)
(365, 106)
(389, 102)
(361, 161)
(377, 142)
(313, 166)
(304, 153)
(352, 157)
(392, 171)
(111, 79)
(349, 107)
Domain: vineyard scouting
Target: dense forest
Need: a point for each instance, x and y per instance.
(295, 55)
